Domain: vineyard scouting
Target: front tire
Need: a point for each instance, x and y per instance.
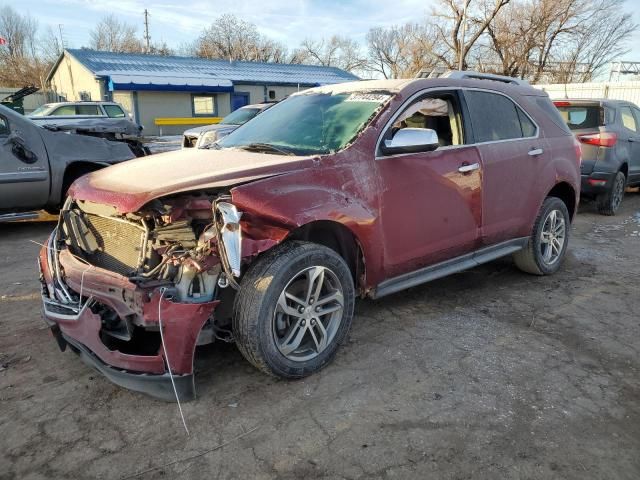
(294, 309)
(609, 202)
(548, 242)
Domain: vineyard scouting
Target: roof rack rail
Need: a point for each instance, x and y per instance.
(471, 75)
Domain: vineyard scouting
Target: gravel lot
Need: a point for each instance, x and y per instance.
(486, 374)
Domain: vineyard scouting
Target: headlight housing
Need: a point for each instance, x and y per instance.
(208, 138)
(230, 235)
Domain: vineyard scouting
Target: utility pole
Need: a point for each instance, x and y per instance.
(146, 30)
(464, 31)
(62, 46)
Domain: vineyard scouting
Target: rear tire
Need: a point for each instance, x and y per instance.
(548, 242)
(279, 324)
(609, 202)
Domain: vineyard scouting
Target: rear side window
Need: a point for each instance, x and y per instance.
(64, 110)
(550, 109)
(495, 117)
(579, 117)
(4, 126)
(114, 111)
(87, 110)
(628, 120)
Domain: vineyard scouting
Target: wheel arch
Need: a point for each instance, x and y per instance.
(624, 168)
(340, 239)
(565, 192)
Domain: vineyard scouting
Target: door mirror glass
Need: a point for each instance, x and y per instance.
(411, 140)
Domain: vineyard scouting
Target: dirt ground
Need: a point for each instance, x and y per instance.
(486, 374)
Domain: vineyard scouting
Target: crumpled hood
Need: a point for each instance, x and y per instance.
(130, 185)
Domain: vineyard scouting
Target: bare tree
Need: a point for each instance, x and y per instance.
(20, 62)
(336, 51)
(460, 24)
(401, 51)
(113, 35)
(232, 38)
(556, 40)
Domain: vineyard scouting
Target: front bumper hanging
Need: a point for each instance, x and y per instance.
(70, 290)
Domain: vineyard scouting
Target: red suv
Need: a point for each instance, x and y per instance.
(266, 238)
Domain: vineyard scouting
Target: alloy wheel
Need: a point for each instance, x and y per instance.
(553, 237)
(308, 313)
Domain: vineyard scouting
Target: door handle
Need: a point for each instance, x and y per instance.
(633, 139)
(535, 152)
(468, 168)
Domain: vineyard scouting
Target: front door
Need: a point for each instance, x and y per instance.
(239, 100)
(24, 168)
(631, 122)
(430, 202)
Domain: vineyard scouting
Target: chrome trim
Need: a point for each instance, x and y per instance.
(75, 314)
(450, 147)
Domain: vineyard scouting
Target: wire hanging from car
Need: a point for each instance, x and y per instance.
(166, 355)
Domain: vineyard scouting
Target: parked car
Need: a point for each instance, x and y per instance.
(79, 109)
(37, 165)
(364, 188)
(609, 135)
(202, 137)
(98, 119)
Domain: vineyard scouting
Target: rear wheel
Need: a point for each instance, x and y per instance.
(294, 309)
(609, 202)
(548, 242)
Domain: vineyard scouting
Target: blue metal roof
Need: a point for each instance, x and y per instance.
(113, 64)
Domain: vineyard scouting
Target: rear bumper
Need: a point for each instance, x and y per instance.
(596, 183)
(71, 290)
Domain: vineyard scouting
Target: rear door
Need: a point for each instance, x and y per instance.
(513, 153)
(24, 168)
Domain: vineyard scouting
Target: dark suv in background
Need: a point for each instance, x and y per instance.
(609, 134)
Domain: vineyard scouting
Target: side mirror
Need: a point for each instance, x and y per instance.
(411, 140)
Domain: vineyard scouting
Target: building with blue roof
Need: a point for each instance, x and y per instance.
(168, 94)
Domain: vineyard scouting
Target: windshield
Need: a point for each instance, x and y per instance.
(240, 116)
(312, 123)
(40, 111)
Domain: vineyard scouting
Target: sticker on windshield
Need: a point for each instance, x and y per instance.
(368, 97)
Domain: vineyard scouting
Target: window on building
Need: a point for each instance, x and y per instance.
(89, 110)
(495, 117)
(272, 94)
(204, 105)
(114, 111)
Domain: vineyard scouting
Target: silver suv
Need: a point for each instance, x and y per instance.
(79, 109)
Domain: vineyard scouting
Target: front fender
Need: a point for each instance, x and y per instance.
(272, 212)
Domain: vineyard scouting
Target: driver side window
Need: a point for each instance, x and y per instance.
(437, 112)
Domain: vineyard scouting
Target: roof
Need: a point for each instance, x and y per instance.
(166, 72)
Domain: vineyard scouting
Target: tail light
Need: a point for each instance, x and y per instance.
(602, 139)
(562, 104)
(576, 145)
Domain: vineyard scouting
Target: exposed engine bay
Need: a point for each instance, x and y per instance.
(188, 247)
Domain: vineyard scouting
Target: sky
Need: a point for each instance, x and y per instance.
(288, 21)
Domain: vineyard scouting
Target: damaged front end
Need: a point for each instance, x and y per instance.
(109, 281)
